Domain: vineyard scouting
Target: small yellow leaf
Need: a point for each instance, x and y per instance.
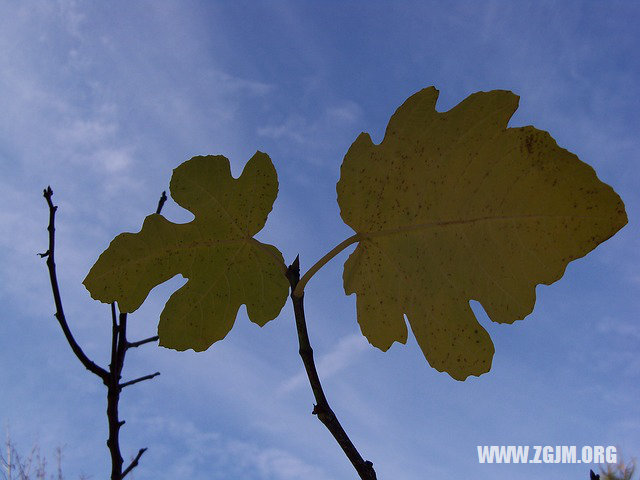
(455, 206)
(225, 265)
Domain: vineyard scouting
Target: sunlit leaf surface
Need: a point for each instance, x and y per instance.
(225, 266)
(455, 206)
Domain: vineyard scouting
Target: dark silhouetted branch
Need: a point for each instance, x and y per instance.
(134, 463)
(142, 342)
(118, 350)
(163, 198)
(119, 347)
(51, 265)
(322, 409)
(138, 380)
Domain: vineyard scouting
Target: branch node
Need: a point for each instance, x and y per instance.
(305, 351)
(293, 272)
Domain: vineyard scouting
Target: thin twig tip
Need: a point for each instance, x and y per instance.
(163, 198)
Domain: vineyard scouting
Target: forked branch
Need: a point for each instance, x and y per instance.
(119, 346)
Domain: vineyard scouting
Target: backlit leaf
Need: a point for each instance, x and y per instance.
(455, 206)
(225, 266)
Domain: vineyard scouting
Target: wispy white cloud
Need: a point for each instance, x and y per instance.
(70, 122)
(347, 351)
(241, 85)
(202, 454)
(47, 126)
(347, 113)
(619, 327)
(617, 346)
(291, 129)
(103, 103)
(312, 132)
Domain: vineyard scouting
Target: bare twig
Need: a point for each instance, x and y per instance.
(134, 462)
(140, 379)
(142, 342)
(163, 198)
(322, 409)
(119, 347)
(51, 265)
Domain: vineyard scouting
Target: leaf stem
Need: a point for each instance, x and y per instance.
(299, 288)
(322, 409)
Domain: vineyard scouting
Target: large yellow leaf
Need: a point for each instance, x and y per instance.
(454, 206)
(225, 266)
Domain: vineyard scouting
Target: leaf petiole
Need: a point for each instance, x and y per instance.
(299, 290)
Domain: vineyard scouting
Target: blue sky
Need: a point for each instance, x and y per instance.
(102, 101)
